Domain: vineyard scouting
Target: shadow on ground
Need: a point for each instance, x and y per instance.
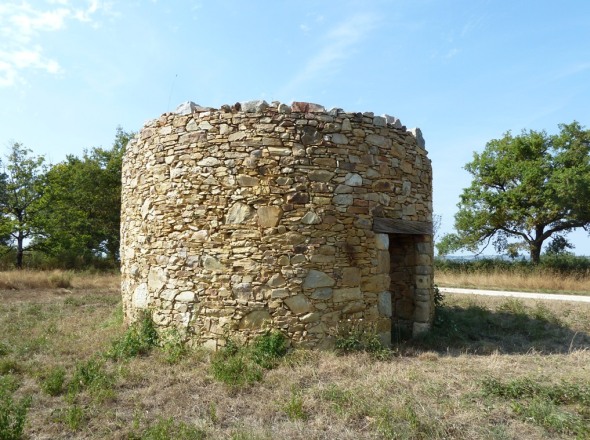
(512, 329)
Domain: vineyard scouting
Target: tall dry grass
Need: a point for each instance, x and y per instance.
(34, 279)
(499, 279)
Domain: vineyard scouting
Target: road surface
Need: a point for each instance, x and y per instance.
(552, 296)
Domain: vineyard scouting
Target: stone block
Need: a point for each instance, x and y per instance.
(347, 294)
(351, 276)
(255, 320)
(316, 278)
(384, 304)
(298, 304)
(269, 216)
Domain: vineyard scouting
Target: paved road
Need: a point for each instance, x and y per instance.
(553, 296)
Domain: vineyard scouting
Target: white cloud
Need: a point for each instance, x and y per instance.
(22, 26)
(338, 45)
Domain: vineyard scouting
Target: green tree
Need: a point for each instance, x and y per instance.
(81, 206)
(524, 190)
(21, 187)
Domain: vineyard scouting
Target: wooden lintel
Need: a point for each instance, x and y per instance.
(391, 226)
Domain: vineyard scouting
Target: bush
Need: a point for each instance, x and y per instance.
(138, 340)
(233, 366)
(13, 414)
(267, 349)
(356, 336)
(53, 381)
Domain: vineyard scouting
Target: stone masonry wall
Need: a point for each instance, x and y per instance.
(257, 216)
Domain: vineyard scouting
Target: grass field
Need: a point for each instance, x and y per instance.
(493, 368)
(499, 279)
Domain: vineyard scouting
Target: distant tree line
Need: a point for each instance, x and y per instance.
(65, 215)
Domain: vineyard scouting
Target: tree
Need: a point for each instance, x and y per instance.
(21, 186)
(81, 206)
(524, 190)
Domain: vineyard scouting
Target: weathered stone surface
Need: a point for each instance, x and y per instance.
(269, 216)
(320, 175)
(384, 304)
(316, 278)
(351, 276)
(353, 179)
(382, 241)
(254, 106)
(257, 215)
(255, 320)
(156, 279)
(418, 135)
(311, 218)
(298, 304)
(347, 294)
(211, 263)
(322, 293)
(239, 213)
(188, 107)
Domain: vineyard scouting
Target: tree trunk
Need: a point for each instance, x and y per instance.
(19, 253)
(535, 252)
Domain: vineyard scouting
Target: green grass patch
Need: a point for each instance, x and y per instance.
(13, 413)
(169, 429)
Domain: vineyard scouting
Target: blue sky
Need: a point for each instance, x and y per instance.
(465, 72)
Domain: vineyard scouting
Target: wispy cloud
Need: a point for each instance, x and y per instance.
(21, 28)
(336, 45)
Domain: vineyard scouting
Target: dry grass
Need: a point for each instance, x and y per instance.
(428, 389)
(29, 279)
(503, 280)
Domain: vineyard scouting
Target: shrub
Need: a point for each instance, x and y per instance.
(90, 375)
(13, 414)
(138, 340)
(53, 381)
(268, 348)
(356, 336)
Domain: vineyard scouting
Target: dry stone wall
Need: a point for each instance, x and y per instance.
(256, 216)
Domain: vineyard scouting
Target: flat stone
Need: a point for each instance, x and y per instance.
(156, 279)
(245, 180)
(307, 107)
(277, 280)
(140, 297)
(255, 320)
(284, 109)
(256, 106)
(205, 125)
(186, 296)
(320, 175)
(310, 317)
(211, 263)
(316, 278)
(378, 140)
(417, 133)
(339, 138)
(311, 218)
(298, 304)
(379, 121)
(347, 294)
(353, 307)
(279, 293)
(343, 189)
(343, 199)
(346, 125)
(279, 151)
(382, 241)
(392, 120)
(351, 276)
(384, 304)
(353, 179)
(269, 216)
(209, 162)
(238, 136)
(239, 213)
(322, 293)
(188, 107)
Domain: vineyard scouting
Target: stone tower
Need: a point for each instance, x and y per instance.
(277, 216)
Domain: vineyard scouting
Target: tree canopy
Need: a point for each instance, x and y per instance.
(68, 212)
(525, 189)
